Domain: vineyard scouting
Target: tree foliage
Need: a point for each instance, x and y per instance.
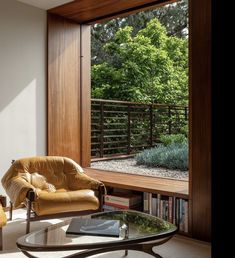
(173, 16)
(149, 66)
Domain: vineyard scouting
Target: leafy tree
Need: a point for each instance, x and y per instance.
(149, 67)
(173, 16)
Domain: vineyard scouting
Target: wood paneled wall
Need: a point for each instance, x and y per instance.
(85, 95)
(200, 118)
(68, 89)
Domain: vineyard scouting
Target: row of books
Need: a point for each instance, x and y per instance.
(172, 209)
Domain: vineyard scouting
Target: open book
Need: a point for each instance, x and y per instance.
(98, 227)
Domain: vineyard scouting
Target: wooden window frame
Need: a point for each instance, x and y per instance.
(199, 107)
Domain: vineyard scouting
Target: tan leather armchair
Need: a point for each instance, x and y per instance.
(52, 186)
(3, 222)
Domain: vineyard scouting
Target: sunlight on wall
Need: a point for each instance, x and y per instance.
(18, 124)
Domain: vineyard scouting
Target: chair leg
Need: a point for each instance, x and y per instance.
(28, 216)
(1, 240)
(102, 191)
(11, 211)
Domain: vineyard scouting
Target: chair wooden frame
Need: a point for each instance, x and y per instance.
(32, 216)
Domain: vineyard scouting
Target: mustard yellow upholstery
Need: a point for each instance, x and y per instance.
(59, 183)
(3, 222)
(3, 218)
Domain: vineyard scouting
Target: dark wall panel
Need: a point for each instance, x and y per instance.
(200, 118)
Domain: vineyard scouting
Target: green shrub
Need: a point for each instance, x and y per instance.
(173, 138)
(172, 156)
(184, 130)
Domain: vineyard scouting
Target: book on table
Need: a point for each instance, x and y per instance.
(97, 227)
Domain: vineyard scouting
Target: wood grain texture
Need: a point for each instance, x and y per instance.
(178, 188)
(63, 88)
(85, 95)
(89, 11)
(200, 100)
(200, 118)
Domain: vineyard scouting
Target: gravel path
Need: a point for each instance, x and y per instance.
(129, 166)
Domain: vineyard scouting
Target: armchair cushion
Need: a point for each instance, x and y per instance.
(59, 183)
(63, 201)
(38, 181)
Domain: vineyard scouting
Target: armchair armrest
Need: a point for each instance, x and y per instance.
(3, 218)
(79, 180)
(17, 190)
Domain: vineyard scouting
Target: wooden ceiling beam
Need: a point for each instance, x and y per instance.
(90, 11)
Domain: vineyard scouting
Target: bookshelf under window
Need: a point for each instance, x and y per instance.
(170, 208)
(161, 197)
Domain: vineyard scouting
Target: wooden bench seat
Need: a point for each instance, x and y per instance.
(164, 186)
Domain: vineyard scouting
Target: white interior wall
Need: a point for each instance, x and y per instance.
(22, 82)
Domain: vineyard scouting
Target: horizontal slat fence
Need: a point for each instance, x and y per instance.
(124, 128)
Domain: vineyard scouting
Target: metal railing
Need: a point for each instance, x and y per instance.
(124, 128)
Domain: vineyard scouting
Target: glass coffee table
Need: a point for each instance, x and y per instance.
(138, 231)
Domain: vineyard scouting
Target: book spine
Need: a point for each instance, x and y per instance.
(158, 205)
(114, 207)
(116, 200)
(150, 203)
(177, 212)
(146, 203)
(154, 206)
(123, 200)
(109, 208)
(186, 216)
(181, 217)
(117, 205)
(170, 209)
(174, 210)
(166, 210)
(161, 209)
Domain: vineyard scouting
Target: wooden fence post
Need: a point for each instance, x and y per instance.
(151, 124)
(128, 130)
(101, 129)
(169, 121)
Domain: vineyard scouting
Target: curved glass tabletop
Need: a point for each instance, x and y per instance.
(141, 227)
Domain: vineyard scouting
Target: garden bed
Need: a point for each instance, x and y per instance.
(129, 166)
